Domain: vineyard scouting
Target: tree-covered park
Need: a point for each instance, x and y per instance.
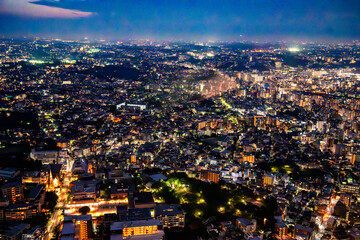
(224, 201)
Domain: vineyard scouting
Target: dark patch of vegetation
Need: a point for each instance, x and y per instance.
(201, 200)
(84, 210)
(294, 61)
(15, 120)
(17, 156)
(50, 200)
(122, 72)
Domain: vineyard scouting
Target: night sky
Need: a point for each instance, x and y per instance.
(260, 20)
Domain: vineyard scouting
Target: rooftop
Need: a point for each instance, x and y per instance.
(140, 223)
(166, 209)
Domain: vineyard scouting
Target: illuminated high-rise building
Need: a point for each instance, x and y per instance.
(85, 228)
(170, 215)
(79, 226)
(13, 192)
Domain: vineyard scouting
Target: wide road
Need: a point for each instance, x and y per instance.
(56, 217)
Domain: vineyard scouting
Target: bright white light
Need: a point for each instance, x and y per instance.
(293, 49)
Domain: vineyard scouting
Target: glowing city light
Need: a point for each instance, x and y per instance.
(293, 49)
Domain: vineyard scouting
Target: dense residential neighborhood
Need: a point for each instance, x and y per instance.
(179, 140)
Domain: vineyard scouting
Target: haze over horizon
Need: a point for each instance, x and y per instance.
(257, 20)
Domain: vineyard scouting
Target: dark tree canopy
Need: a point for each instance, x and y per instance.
(84, 210)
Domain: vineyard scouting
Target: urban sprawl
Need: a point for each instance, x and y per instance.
(179, 140)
